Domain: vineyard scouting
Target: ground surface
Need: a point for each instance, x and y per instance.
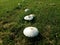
(47, 20)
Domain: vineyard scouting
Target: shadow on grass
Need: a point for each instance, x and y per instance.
(30, 21)
(34, 40)
(33, 21)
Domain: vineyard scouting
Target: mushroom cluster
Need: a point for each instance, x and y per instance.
(30, 31)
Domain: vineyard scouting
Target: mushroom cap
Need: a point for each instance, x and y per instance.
(18, 3)
(26, 10)
(29, 17)
(30, 31)
(32, 15)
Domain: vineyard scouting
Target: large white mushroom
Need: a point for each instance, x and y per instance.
(29, 17)
(30, 31)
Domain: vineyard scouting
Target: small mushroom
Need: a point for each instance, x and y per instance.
(32, 15)
(26, 10)
(18, 3)
(30, 31)
(29, 17)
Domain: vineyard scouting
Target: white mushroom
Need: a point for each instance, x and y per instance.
(30, 31)
(26, 10)
(32, 15)
(29, 17)
(18, 3)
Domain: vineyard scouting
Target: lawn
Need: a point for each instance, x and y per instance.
(47, 20)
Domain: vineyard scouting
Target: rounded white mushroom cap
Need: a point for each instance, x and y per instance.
(30, 31)
(29, 17)
(32, 15)
(26, 10)
(18, 3)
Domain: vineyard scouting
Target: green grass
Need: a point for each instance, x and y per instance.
(47, 20)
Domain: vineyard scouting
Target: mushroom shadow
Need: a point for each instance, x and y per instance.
(30, 21)
(33, 21)
(35, 40)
